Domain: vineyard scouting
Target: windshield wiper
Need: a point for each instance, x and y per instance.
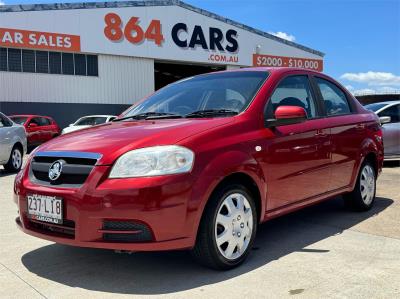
(211, 112)
(149, 115)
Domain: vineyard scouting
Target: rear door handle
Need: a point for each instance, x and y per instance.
(360, 126)
(321, 133)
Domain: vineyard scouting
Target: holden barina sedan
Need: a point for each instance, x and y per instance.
(201, 162)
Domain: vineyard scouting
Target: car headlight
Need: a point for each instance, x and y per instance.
(153, 161)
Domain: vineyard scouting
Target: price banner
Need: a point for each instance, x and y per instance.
(283, 61)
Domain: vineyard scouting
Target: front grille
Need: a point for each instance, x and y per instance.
(67, 229)
(126, 231)
(75, 169)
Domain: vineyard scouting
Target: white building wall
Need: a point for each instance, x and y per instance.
(121, 80)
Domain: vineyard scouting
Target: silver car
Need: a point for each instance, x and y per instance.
(389, 115)
(12, 144)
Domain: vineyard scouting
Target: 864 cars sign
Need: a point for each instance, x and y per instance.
(182, 37)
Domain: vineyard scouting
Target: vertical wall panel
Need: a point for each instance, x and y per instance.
(121, 80)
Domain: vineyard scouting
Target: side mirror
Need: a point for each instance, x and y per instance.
(33, 125)
(385, 119)
(287, 115)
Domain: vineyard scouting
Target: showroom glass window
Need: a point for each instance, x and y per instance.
(334, 98)
(14, 60)
(45, 62)
(28, 61)
(3, 59)
(293, 91)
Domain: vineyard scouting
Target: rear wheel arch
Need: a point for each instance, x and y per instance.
(369, 151)
(20, 146)
(373, 159)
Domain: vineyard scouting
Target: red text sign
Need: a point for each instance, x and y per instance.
(16, 38)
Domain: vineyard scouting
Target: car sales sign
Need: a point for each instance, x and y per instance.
(169, 32)
(15, 38)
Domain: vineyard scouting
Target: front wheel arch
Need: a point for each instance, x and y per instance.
(245, 180)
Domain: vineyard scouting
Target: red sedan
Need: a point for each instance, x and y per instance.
(39, 129)
(200, 163)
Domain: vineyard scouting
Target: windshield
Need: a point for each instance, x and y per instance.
(375, 107)
(220, 92)
(20, 120)
(91, 121)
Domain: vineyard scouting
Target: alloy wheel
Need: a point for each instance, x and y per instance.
(16, 159)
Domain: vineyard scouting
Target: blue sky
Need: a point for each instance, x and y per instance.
(361, 38)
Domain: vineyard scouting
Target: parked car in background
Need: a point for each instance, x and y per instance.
(88, 121)
(201, 162)
(389, 116)
(13, 144)
(39, 129)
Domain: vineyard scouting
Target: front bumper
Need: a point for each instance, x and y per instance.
(161, 204)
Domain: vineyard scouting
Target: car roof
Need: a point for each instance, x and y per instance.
(274, 69)
(386, 102)
(100, 115)
(28, 115)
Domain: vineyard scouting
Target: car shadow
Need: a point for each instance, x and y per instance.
(167, 272)
(4, 173)
(391, 164)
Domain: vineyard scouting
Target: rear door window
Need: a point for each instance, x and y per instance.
(334, 98)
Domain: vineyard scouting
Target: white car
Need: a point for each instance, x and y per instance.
(88, 121)
(13, 144)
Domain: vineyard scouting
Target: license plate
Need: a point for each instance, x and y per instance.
(45, 208)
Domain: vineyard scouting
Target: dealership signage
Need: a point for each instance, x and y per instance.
(115, 31)
(158, 32)
(133, 32)
(282, 61)
(16, 38)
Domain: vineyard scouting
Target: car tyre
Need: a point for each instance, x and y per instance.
(363, 196)
(14, 163)
(227, 229)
